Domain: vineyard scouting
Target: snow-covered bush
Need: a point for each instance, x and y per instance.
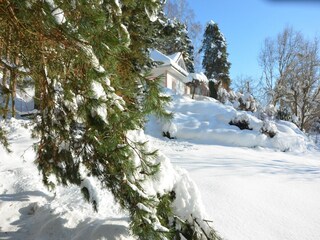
(284, 114)
(246, 102)
(269, 128)
(169, 130)
(208, 121)
(223, 95)
(270, 110)
(239, 101)
(241, 121)
(266, 113)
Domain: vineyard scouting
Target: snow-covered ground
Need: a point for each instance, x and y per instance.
(207, 121)
(256, 194)
(265, 189)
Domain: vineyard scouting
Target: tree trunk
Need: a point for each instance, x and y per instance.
(5, 75)
(13, 86)
(194, 90)
(295, 104)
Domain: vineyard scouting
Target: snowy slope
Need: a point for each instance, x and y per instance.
(253, 187)
(207, 121)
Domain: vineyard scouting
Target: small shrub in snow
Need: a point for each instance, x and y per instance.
(169, 130)
(168, 135)
(284, 114)
(223, 95)
(241, 122)
(268, 112)
(245, 102)
(269, 129)
(3, 139)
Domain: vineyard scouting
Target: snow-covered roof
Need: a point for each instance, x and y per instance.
(198, 76)
(158, 56)
(175, 57)
(174, 60)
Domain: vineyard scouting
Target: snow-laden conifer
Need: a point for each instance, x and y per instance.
(215, 57)
(173, 37)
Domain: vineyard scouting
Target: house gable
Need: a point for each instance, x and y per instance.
(172, 68)
(182, 64)
(177, 58)
(175, 75)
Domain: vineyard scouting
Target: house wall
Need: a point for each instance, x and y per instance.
(180, 87)
(187, 90)
(162, 73)
(172, 79)
(176, 85)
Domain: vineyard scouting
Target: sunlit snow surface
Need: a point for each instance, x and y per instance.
(207, 121)
(253, 192)
(265, 189)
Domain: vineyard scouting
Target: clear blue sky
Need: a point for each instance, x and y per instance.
(246, 23)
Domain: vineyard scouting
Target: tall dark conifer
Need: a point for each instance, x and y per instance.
(215, 57)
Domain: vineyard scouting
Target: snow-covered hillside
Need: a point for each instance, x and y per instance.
(251, 186)
(208, 121)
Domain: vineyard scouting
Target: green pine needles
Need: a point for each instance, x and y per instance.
(88, 62)
(4, 140)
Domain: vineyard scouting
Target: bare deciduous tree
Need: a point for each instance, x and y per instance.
(245, 84)
(291, 73)
(276, 58)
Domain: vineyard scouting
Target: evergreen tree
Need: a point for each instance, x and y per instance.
(214, 88)
(173, 37)
(215, 56)
(182, 12)
(86, 60)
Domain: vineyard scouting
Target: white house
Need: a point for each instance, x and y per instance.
(173, 71)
